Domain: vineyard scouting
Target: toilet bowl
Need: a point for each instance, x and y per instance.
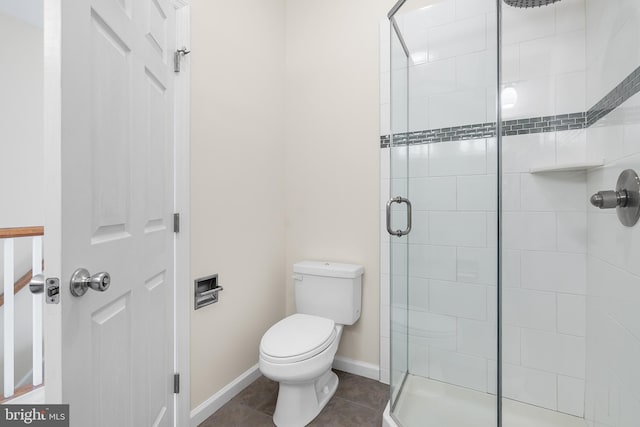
(298, 351)
(302, 366)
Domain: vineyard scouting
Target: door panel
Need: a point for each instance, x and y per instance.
(157, 327)
(117, 207)
(111, 94)
(111, 347)
(157, 27)
(156, 153)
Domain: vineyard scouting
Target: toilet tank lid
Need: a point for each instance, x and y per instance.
(328, 269)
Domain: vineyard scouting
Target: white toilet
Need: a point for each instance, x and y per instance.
(298, 351)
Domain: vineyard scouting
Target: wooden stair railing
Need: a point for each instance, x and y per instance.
(20, 283)
(7, 301)
(20, 391)
(10, 233)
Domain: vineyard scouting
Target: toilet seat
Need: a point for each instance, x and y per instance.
(297, 338)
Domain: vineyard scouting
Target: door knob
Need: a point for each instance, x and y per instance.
(36, 285)
(81, 280)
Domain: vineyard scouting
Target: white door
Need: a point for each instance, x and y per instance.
(116, 191)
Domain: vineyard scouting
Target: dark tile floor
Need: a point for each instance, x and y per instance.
(358, 402)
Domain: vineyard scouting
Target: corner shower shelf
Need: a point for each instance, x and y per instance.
(568, 167)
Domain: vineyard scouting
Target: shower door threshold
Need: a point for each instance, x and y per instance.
(429, 403)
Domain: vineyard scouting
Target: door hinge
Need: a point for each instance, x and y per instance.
(177, 58)
(176, 383)
(176, 222)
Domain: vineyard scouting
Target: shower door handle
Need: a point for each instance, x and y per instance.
(398, 200)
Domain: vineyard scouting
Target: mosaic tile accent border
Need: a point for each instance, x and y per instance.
(625, 90)
(562, 122)
(456, 133)
(488, 130)
(544, 124)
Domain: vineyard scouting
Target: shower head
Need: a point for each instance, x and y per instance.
(529, 3)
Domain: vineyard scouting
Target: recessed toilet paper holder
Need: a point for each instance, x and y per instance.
(625, 198)
(206, 291)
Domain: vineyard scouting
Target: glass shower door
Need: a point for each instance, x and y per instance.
(444, 333)
(397, 216)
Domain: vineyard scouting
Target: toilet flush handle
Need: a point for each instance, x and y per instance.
(297, 277)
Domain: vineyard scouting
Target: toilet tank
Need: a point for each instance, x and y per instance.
(329, 289)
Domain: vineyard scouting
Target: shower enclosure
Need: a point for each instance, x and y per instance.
(511, 299)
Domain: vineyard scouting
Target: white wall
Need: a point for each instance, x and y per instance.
(28, 11)
(21, 160)
(613, 276)
(237, 183)
(331, 148)
(284, 167)
(21, 123)
(452, 185)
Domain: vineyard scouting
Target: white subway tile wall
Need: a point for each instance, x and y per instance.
(458, 368)
(613, 272)
(533, 386)
(570, 395)
(452, 249)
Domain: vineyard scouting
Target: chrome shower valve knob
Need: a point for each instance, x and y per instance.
(625, 198)
(610, 199)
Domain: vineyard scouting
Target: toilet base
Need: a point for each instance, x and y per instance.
(300, 402)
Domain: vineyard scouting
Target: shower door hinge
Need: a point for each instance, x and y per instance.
(176, 383)
(176, 222)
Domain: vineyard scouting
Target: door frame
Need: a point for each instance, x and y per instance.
(182, 160)
(52, 203)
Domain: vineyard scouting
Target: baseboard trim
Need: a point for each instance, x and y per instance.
(357, 367)
(228, 392)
